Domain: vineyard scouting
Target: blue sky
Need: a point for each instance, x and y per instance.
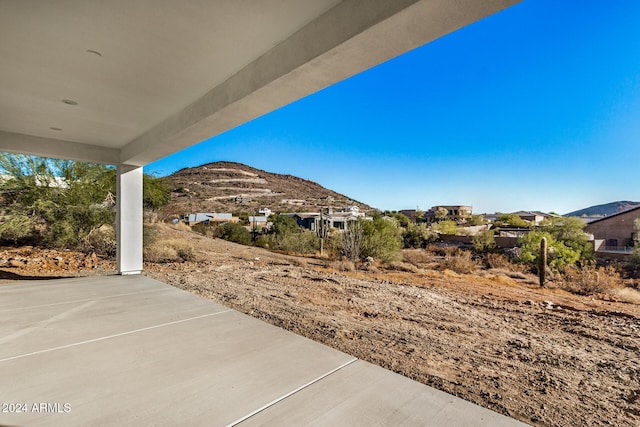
(534, 108)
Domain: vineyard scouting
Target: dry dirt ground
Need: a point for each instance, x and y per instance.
(543, 356)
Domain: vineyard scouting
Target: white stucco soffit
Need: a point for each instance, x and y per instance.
(132, 82)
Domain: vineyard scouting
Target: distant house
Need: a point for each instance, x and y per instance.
(308, 220)
(456, 213)
(258, 221)
(615, 232)
(335, 220)
(209, 218)
(491, 217)
(339, 220)
(242, 199)
(412, 214)
(265, 211)
(534, 217)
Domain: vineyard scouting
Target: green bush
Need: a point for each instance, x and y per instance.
(567, 244)
(569, 230)
(284, 224)
(235, 232)
(448, 227)
(304, 242)
(484, 241)
(16, 229)
(511, 220)
(63, 200)
(417, 236)
(559, 255)
(286, 235)
(476, 220)
(381, 239)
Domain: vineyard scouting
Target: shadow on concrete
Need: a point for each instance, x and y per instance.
(7, 275)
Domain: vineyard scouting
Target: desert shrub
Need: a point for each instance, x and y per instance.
(169, 250)
(209, 230)
(343, 265)
(159, 254)
(484, 241)
(333, 245)
(102, 241)
(511, 220)
(65, 200)
(201, 229)
(417, 236)
(16, 229)
(448, 227)
(284, 224)
(560, 254)
(629, 295)
(434, 250)
(67, 225)
(262, 241)
(570, 231)
(302, 242)
(417, 257)
(476, 220)
(381, 239)
(499, 261)
(185, 251)
(156, 192)
(589, 280)
(402, 266)
(236, 233)
(461, 261)
(149, 234)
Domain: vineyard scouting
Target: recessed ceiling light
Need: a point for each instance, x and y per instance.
(69, 102)
(55, 128)
(93, 52)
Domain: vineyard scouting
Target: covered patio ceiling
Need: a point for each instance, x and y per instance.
(129, 82)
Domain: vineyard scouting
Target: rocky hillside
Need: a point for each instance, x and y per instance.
(605, 210)
(234, 187)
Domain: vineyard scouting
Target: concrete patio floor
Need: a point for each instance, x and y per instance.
(129, 350)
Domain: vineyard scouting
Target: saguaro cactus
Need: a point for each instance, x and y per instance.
(542, 261)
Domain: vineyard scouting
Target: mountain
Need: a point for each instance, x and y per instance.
(234, 187)
(605, 210)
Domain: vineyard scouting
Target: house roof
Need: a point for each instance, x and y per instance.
(637, 208)
(305, 215)
(201, 216)
(530, 213)
(223, 216)
(207, 216)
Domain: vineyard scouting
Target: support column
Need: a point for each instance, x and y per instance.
(129, 219)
